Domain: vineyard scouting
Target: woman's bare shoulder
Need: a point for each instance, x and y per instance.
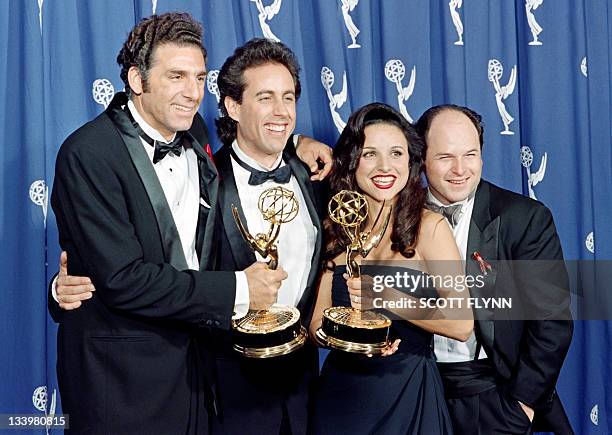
(430, 221)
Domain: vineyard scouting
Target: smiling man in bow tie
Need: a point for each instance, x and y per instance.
(259, 88)
(506, 372)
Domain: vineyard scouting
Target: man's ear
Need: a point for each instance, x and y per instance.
(135, 80)
(233, 108)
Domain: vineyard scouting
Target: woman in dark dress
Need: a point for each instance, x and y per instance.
(380, 155)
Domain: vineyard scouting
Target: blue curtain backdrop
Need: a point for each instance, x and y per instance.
(537, 70)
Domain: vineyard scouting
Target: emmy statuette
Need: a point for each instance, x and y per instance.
(277, 330)
(346, 328)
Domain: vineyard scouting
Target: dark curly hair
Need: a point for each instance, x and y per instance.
(424, 122)
(150, 33)
(256, 52)
(409, 206)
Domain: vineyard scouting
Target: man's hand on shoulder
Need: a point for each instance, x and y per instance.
(312, 152)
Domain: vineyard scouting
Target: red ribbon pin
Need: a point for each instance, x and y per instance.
(209, 152)
(484, 266)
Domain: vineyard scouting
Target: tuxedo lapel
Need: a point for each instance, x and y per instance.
(309, 197)
(228, 196)
(171, 241)
(483, 239)
(209, 190)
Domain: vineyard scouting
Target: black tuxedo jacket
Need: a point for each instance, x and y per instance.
(527, 354)
(260, 394)
(234, 251)
(126, 361)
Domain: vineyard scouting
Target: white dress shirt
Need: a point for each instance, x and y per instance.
(179, 179)
(297, 238)
(447, 349)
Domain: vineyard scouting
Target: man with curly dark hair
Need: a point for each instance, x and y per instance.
(135, 198)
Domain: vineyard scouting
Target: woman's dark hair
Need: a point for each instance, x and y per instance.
(150, 33)
(408, 208)
(231, 83)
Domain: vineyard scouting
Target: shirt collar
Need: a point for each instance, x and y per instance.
(431, 198)
(466, 204)
(254, 163)
(150, 131)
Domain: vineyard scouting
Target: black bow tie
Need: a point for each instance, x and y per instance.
(450, 212)
(161, 148)
(281, 174)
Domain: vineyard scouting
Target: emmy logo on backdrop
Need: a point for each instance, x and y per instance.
(453, 5)
(589, 242)
(40, 6)
(103, 92)
(536, 29)
(277, 330)
(583, 66)
(39, 195)
(532, 178)
(40, 399)
(345, 328)
(348, 6)
(595, 415)
(395, 72)
(211, 85)
(267, 13)
(495, 73)
(335, 101)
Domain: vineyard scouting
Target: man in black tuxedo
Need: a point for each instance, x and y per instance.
(259, 87)
(507, 371)
(132, 195)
